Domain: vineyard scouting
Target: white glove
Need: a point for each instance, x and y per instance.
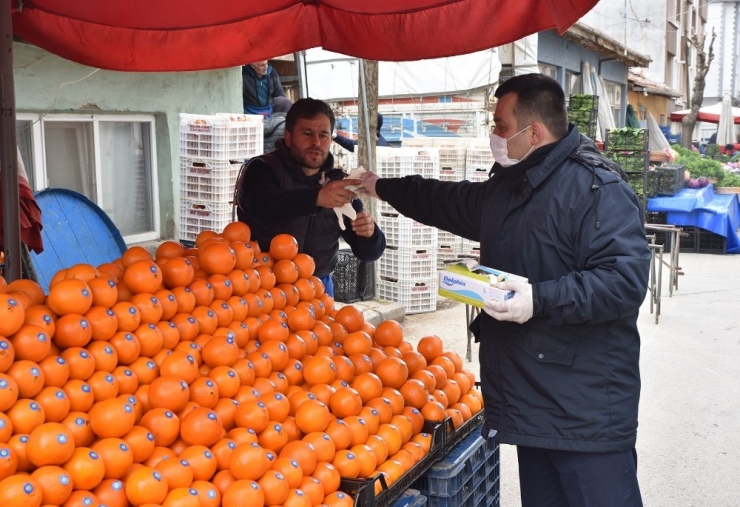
(356, 174)
(368, 184)
(518, 309)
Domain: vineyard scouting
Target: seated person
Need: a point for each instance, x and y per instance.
(260, 86)
(349, 144)
(274, 126)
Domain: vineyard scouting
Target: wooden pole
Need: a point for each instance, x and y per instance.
(9, 150)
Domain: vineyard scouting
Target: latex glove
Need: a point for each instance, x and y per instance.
(518, 309)
(368, 184)
(347, 208)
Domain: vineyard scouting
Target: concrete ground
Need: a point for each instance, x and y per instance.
(689, 435)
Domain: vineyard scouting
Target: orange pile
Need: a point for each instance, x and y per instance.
(216, 375)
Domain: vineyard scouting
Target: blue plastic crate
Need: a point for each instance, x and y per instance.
(464, 496)
(492, 463)
(410, 498)
(459, 467)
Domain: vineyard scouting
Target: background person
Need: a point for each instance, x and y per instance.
(560, 360)
(294, 189)
(349, 144)
(260, 86)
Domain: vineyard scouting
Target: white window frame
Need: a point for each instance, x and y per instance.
(39, 157)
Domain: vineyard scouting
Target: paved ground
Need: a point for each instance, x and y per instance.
(689, 436)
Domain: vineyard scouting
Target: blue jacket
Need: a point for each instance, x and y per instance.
(275, 196)
(257, 93)
(569, 378)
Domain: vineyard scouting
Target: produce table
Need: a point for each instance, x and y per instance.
(702, 207)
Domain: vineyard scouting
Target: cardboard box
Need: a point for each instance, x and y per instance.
(471, 283)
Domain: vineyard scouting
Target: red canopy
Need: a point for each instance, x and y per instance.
(186, 35)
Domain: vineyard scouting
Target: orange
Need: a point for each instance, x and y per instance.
(313, 490)
(434, 411)
(163, 424)
(415, 393)
(182, 497)
(266, 277)
(312, 415)
(430, 347)
(177, 472)
(285, 271)
(56, 372)
(220, 351)
(203, 292)
(103, 323)
(111, 492)
(141, 442)
(360, 430)
(112, 418)
(6, 429)
(7, 354)
(273, 330)
(169, 392)
(222, 451)
(208, 494)
(303, 453)
(168, 302)
(116, 455)
(322, 446)
(462, 381)
(471, 401)
(248, 461)
(439, 374)
(275, 487)
(20, 491)
(347, 464)
(55, 484)
(27, 376)
(143, 276)
(217, 258)
(127, 347)
(392, 372)
(31, 342)
(105, 356)
(78, 424)
(49, 444)
(306, 290)
(323, 392)
(305, 265)
(328, 476)
(367, 459)
(177, 272)
(278, 406)
(351, 318)
(357, 342)
(245, 492)
(378, 446)
(404, 425)
(388, 334)
(85, 467)
(202, 462)
(128, 316)
(283, 246)
(237, 231)
(414, 361)
(384, 408)
(25, 415)
(180, 364)
(150, 309)
(456, 416)
(72, 330)
(12, 314)
(67, 296)
(290, 469)
(426, 377)
(446, 363)
(201, 426)
(319, 370)
(185, 299)
(104, 292)
(31, 288)
(133, 254)
(204, 392)
(146, 486)
(345, 402)
(244, 255)
(55, 403)
(273, 437)
(16, 446)
(452, 390)
(169, 250)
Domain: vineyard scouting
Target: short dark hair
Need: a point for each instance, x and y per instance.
(308, 108)
(539, 98)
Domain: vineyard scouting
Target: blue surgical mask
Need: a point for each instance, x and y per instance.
(500, 149)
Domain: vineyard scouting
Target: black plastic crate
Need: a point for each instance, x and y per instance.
(354, 280)
(656, 217)
(627, 139)
(455, 436)
(670, 179)
(629, 161)
(709, 242)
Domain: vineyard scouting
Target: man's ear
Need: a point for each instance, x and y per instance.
(537, 133)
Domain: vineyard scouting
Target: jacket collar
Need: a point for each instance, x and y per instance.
(282, 151)
(555, 158)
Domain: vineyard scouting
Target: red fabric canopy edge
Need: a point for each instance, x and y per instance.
(440, 30)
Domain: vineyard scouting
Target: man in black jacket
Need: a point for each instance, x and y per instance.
(560, 360)
(260, 86)
(295, 189)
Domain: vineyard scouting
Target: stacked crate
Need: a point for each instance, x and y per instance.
(478, 163)
(407, 268)
(583, 111)
(212, 150)
(628, 147)
(468, 475)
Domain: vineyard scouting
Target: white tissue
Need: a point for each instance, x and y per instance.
(347, 209)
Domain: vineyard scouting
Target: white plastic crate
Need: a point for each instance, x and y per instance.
(222, 137)
(452, 174)
(417, 142)
(400, 162)
(403, 232)
(452, 156)
(202, 216)
(447, 254)
(478, 160)
(208, 180)
(416, 296)
(447, 238)
(408, 263)
(467, 244)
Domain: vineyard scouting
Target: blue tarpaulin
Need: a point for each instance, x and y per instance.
(701, 207)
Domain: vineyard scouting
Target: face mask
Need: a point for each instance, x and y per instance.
(500, 149)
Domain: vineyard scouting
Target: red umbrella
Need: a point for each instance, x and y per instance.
(709, 114)
(179, 35)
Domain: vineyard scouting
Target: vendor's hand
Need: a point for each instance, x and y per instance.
(368, 184)
(363, 225)
(335, 195)
(518, 309)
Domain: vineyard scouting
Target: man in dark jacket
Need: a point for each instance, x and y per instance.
(295, 189)
(349, 144)
(560, 360)
(260, 86)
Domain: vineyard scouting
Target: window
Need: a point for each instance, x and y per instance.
(614, 94)
(549, 71)
(109, 159)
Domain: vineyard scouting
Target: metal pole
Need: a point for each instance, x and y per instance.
(300, 63)
(366, 112)
(8, 151)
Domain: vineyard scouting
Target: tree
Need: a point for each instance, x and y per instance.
(703, 61)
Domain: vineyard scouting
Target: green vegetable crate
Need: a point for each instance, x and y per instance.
(631, 162)
(637, 182)
(626, 139)
(583, 111)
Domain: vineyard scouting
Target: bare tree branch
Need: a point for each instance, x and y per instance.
(703, 62)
